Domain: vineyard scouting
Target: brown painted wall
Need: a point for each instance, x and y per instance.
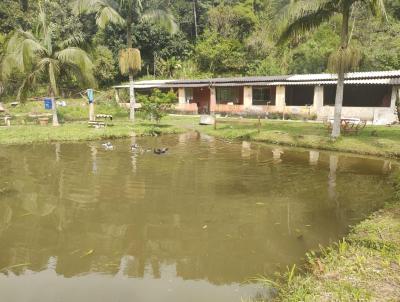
(201, 96)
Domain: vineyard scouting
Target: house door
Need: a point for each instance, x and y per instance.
(201, 96)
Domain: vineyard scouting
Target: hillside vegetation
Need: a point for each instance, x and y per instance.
(213, 38)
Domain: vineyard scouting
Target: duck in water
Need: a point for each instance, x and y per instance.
(135, 147)
(160, 151)
(108, 146)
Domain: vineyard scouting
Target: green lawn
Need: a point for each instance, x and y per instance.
(373, 140)
(79, 131)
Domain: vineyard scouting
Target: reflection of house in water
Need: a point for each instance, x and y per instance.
(276, 154)
(333, 164)
(369, 96)
(246, 149)
(314, 156)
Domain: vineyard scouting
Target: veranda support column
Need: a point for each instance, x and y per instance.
(280, 98)
(213, 99)
(318, 98)
(116, 91)
(247, 97)
(395, 97)
(181, 96)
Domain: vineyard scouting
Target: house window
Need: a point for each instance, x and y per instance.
(261, 95)
(299, 95)
(227, 95)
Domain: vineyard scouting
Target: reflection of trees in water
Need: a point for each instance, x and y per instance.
(136, 223)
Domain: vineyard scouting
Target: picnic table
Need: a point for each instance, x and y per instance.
(348, 125)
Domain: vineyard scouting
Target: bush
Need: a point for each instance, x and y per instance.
(156, 106)
(104, 66)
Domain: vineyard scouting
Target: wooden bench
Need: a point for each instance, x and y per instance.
(96, 124)
(105, 118)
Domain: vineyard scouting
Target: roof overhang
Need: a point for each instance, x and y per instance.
(358, 78)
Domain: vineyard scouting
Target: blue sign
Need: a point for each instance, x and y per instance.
(90, 95)
(48, 104)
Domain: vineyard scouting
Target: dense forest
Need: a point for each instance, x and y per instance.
(211, 38)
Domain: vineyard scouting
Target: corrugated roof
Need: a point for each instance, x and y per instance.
(373, 77)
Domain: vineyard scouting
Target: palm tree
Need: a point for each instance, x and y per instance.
(37, 56)
(126, 12)
(307, 15)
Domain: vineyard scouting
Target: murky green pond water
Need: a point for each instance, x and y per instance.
(81, 223)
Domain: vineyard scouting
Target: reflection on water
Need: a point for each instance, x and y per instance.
(79, 223)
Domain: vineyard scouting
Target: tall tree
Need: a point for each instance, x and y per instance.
(37, 56)
(127, 12)
(307, 15)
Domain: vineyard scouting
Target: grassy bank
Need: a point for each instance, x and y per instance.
(79, 131)
(365, 266)
(373, 140)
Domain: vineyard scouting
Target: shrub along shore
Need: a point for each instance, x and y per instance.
(365, 266)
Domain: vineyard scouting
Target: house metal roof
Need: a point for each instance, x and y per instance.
(372, 77)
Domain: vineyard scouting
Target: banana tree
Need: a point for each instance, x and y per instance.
(306, 15)
(37, 56)
(126, 13)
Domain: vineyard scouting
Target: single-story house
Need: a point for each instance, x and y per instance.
(369, 96)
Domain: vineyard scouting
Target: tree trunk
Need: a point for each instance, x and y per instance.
(398, 103)
(132, 101)
(337, 117)
(54, 109)
(341, 74)
(196, 31)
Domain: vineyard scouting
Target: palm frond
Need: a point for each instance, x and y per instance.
(307, 15)
(130, 60)
(108, 15)
(22, 51)
(86, 6)
(344, 59)
(105, 11)
(377, 7)
(162, 17)
(28, 82)
(78, 59)
(8, 65)
(76, 40)
(30, 52)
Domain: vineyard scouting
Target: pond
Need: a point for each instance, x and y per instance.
(82, 223)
